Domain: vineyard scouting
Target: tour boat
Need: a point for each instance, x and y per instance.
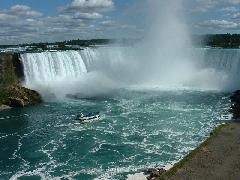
(89, 117)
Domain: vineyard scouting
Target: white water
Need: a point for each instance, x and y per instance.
(93, 71)
(220, 68)
(44, 68)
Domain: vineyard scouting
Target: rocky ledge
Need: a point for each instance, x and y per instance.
(4, 107)
(17, 96)
(235, 108)
(12, 94)
(155, 173)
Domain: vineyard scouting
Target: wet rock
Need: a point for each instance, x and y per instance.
(161, 171)
(4, 107)
(236, 96)
(29, 97)
(16, 102)
(235, 108)
(155, 173)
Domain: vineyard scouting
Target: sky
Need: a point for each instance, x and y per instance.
(26, 21)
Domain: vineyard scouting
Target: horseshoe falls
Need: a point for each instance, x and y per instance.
(143, 124)
(107, 68)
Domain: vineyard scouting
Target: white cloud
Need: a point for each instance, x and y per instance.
(230, 9)
(93, 15)
(219, 24)
(205, 5)
(22, 10)
(7, 18)
(108, 23)
(236, 15)
(89, 5)
(21, 23)
(233, 1)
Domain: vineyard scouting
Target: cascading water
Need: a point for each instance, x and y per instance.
(227, 60)
(52, 66)
(88, 72)
(92, 70)
(220, 68)
(48, 72)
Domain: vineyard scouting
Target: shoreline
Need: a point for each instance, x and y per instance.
(218, 157)
(210, 159)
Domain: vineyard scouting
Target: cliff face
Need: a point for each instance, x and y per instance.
(11, 69)
(11, 74)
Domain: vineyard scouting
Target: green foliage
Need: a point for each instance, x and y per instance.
(43, 46)
(212, 40)
(7, 46)
(219, 40)
(63, 44)
(9, 76)
(4, 94)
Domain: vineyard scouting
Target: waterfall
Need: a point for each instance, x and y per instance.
(53, 73)
(47, 67)
(221, 66)
(94, 69)
(227, 60)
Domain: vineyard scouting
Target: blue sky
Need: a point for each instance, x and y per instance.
(55, 20)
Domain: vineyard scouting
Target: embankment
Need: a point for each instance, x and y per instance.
(216, 158)
(12, 94)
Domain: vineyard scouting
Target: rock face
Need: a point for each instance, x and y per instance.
(4, 107)
(11, 69)
(11, 75)
(17, 96)
(155, 174)
(21, 97)
(235, 108)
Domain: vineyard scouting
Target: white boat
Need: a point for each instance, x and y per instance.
(226, 117)
(90, 117)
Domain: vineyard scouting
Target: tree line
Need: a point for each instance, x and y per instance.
(211, 40)
(218, 40)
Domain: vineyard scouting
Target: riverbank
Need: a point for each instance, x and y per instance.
(216, 158)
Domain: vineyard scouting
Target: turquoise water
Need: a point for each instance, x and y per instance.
(138, 130)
